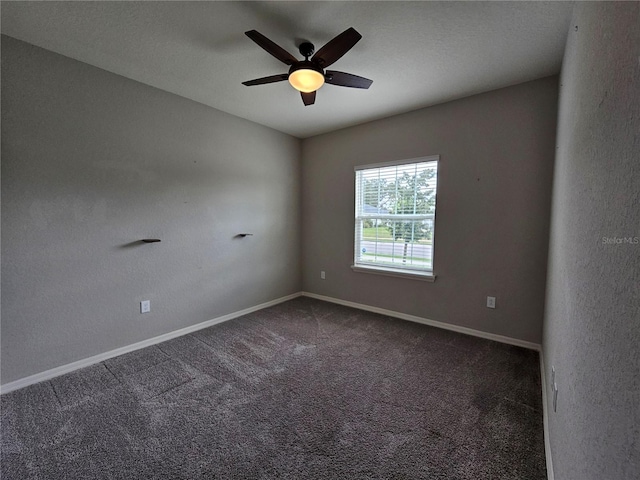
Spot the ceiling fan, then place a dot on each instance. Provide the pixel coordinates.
(308, 75)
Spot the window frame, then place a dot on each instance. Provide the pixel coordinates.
(412, 272)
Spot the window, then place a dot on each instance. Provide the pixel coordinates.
(395, 216)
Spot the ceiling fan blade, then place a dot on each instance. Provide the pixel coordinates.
(337, 47)
(263, 80)
(308, 98)
(275, 50)
(346, 79)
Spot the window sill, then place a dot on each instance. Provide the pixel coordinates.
(392, 272)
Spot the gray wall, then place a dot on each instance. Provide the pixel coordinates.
(494, 190)
(592, 318)
(92, 162)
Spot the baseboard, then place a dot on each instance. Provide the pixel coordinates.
(426, 321)
(70, 367)
(545, 419)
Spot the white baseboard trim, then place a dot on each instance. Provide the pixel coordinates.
(545, 420)
(70, 367)
(426, 321)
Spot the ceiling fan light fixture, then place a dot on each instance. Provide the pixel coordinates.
(306, 78)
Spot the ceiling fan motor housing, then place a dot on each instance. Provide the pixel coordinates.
(306, 65)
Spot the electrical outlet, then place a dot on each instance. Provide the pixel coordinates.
(322, 276)
(145, 306)
(491, 302)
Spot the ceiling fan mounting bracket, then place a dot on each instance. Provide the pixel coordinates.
(306, 49)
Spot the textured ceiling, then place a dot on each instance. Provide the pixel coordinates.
(417, 53)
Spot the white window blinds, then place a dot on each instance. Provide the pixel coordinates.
(395, 215)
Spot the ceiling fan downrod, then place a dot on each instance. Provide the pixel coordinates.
(306, 49)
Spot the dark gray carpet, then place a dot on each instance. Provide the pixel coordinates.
(302, 390)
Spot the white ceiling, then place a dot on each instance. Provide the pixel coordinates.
(417, 53)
